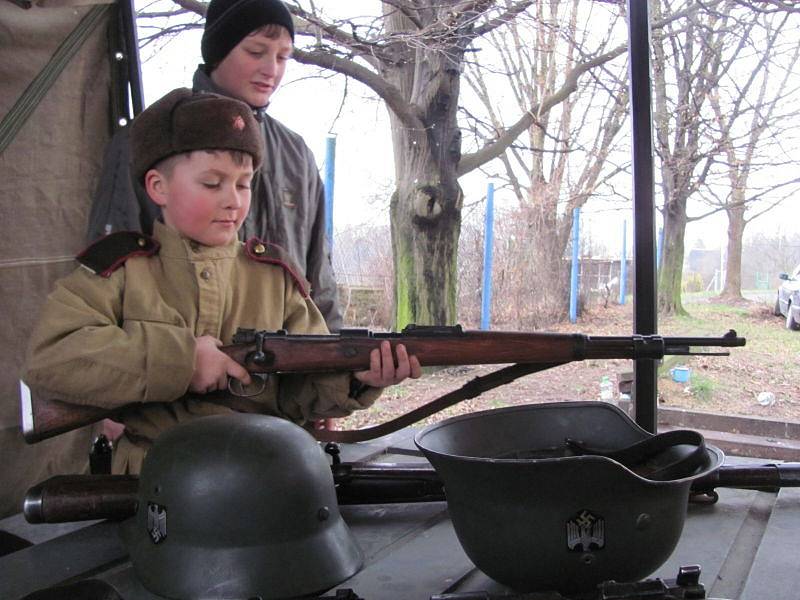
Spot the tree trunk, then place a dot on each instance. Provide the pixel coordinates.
(671, 274)
(426, 205)
(426, 222)
(733, 266)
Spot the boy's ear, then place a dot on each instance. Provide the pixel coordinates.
(155, 184)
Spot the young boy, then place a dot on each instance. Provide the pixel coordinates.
(142, 322)
(246, 47)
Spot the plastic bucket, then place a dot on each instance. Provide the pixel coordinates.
(680, 374)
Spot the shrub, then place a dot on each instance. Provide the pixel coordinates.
(692, 282)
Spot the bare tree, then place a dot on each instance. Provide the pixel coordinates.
(750, 122)
(416, 61)
(563, 157)
(690, 57)
(695, 60)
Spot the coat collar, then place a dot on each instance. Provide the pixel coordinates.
(202, 82)
(175, 245)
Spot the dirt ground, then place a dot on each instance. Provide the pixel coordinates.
(770, 362)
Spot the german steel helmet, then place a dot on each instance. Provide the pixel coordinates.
(239, 506)
(536, 510)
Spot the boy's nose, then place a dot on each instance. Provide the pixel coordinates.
(233, 199)
(269, 66)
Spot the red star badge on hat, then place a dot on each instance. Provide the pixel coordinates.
(238, 122)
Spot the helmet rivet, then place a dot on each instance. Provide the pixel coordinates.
(587, 558)
(643, 521)
(323, 513)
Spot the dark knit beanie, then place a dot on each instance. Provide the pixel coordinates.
(183, 121)
(229, 21)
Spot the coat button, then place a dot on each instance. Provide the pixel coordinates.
(205, 274)
(259, 249)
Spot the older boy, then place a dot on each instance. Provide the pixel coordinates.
(246, 46)
(143, 321)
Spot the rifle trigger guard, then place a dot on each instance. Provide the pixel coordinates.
(236, 388)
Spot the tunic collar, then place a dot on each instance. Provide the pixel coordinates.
(175, 245)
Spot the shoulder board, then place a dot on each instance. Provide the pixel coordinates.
(109, 253)
(265, 252)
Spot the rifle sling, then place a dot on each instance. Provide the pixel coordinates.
(473, 388)
(637, 456)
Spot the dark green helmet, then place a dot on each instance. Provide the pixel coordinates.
(239, 506)
(535, 511)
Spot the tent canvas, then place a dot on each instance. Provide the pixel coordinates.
(49, 166)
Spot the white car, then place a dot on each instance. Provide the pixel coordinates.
(787, 303)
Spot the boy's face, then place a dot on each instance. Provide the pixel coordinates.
(206, 196)
(252, 71)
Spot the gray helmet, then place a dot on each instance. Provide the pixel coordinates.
(536, 517)
(239, 506)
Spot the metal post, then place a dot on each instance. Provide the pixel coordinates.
(128, 17)
(488, 258)
(645, 298)
(623, 264)
(330, 167)
(573, 282)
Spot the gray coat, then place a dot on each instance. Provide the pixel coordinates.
(288, 205)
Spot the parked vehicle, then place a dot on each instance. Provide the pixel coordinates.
(787, 304)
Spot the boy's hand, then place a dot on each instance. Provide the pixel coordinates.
(382, 370)
(212, 367)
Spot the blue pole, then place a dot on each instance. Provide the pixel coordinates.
(330, 166)
(573, 284)
(659, 246)
(488, 256)
(623, 264)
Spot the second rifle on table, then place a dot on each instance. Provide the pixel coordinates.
(67, 498)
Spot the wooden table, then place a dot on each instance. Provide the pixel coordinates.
(748, 545)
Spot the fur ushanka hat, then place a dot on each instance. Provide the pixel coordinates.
(184, 121)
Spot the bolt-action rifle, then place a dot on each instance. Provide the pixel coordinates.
(68, 498)
(263, 352)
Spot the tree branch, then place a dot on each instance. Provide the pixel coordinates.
(509, 15)
(472, 161)
(193, 6)
(328, 31)
(406, 9)
(407, 113)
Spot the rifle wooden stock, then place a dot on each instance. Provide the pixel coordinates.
(44, 418)
(68, 498)
(349, 350)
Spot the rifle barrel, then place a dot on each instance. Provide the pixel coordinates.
(67, 498)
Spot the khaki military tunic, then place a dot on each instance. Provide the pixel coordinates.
(130, 338)
(288, 202)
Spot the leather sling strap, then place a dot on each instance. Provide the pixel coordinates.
(636, 456)
(471, 389)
